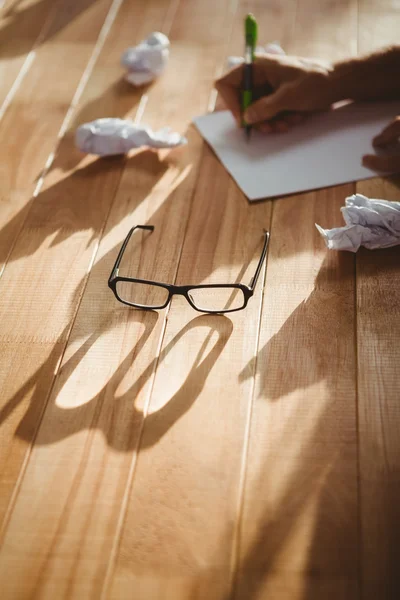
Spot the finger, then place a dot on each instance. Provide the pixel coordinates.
(389, 163)
(264, 127)
(232, 78)
(272, 127)
(280, 126)
(295, 118)
(266, 108)
(261, 68)
(230, 96)
(389, 135)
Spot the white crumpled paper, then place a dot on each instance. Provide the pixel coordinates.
(273, 48)
(370, 223)
(107, 137)
(146, 61)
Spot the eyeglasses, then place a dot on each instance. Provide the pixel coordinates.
(153, 295)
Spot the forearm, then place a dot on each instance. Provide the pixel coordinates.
(373, 77)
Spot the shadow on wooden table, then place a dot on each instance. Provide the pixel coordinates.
(261, 558)
(300, 360)
(324, 469)
(121, 431)
(312, 504)
(18, 22)
(330, 565)
(65, 208)
(120, 100)
(300, 533)
(302, 365)
(72, 205)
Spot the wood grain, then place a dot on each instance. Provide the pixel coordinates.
(23, 25)
(71, 431)
(186, 483)
(31, 125)
(326, 30)
(378, 332)
(44, 279)
(186, 487)
(171, 455)
(299, 528)
(30, 351)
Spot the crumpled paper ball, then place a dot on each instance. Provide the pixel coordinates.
(107, 137)
(370, 223)
(146, 61)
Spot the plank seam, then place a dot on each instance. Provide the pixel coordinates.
(357, 399)
(24, 466)
(101, 39)
(357, 406)
(132, 470)
(28, 61)
(104, 31)
(170, 16)
(246, 441)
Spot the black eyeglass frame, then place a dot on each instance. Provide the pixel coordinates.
(183, 290)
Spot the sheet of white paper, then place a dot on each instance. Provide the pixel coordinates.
(326, 150)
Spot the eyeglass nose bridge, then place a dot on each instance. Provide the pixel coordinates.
(179, 290)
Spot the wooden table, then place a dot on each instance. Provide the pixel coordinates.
(174, 455)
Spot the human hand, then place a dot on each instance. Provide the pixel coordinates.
(286, 89)
(389, 137)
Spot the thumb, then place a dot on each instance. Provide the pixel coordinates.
(389, 163)
(389, 135)
(267, 107)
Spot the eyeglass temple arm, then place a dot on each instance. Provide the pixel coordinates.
(123, 248)
(254, 279)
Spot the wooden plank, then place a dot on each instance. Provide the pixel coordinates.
(299, 530)
(45, 276)
(22, 27)
(25, 26)
(179, 534)
(180, 522)
(75, 436)
(378, 24)
(326, 30)
(378, 332)
(39, 107)
(299, 526)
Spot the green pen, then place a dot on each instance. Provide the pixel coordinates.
(250, 28)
